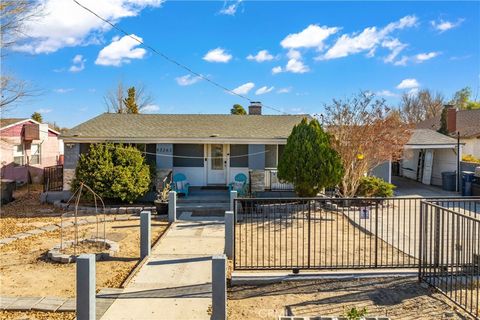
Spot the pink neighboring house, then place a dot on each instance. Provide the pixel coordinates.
(28, 146)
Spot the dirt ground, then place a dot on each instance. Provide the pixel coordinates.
(26, 271)
(282, 240)
(36, 315)
(26, 212)
(397, 298)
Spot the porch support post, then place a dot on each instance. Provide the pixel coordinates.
(172, 206)
(233, 196)
(219, 287)
(229, 216)
(145, 234)
(85, 309)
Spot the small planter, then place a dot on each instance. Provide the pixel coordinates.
(162, 207)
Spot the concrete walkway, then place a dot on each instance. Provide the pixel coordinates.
(175, 282)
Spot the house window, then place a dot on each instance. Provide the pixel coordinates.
(35, 154)
(18, 155)
(239, 155)
(188, 155)
(271, 155)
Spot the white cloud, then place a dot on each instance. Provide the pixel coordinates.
(261, 56)
(43, 110)
(187, 80)
(63, 90)
(413, 92)
(426, 56)
(310, 37)
(120, 51)
(386, 93)
(369, 39)
(296, 66)
(443, 25)
(78, 63)
(401, 62)
(230, 10)
(150, 108)
(408, 84)
(217, 55)
(284, 90)
(264, 90)
(244, 88)
(277, 69)
(65, 24)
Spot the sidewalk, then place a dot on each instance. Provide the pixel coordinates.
(175, 282)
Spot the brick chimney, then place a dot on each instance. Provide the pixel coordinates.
(451, 118)
(255, 108)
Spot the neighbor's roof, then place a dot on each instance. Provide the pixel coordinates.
(135, 127)
(424, 137)
(5, 122)
(468, 123)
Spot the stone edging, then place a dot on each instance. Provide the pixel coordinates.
(108, 209)
(55, 254)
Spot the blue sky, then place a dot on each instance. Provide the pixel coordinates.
(315, 51)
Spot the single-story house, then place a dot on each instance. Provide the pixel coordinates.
(210, 149)
(426, 155)
(464, 122)
(27, 147)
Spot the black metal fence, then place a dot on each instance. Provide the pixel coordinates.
(53, 178)
(332, 233)
(450, 254)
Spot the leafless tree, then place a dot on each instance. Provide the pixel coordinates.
(114, 98)
(417, 107)
(366, 134)
(14, 14)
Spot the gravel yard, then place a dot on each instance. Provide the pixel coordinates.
(397, 298)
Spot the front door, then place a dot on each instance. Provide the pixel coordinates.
(217, 167)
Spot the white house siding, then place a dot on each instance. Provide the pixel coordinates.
(443, 160)
(383, 171)
(409, 164)
(472, 147)
(195, 175)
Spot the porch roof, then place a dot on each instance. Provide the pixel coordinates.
(183, 127)
(426, 138)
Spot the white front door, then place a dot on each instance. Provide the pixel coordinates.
(217, 164)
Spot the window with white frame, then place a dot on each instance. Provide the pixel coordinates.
(18, 155)
(35, 154)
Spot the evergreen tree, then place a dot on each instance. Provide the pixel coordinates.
(238, 110)
(309, 161)
(130, 101)
(37, 117)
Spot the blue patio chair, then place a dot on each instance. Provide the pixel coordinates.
(180, 184)
(240, 184)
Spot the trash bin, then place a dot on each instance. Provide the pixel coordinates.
(449, 180)
(467, 179)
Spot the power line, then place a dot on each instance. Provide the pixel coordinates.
(171, 60)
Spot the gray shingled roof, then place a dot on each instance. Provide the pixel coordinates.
(151, 126)
(429, 137)
(468, 123)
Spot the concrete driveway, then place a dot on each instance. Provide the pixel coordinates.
(410, 188)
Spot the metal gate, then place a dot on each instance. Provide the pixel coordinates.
(331, 233)
(53, 178)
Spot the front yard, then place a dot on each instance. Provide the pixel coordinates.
(27, 272)
(397, 298)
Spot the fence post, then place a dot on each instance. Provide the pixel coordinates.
(219, 287)
(437, 238)
(145, 233)
(233, 196)
(229, 240)
(376, 234)
(423, 212)
(309, 230)
(85, 308)
(172, 206)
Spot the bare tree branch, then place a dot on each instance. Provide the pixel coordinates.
(423, 105)
(114, 98)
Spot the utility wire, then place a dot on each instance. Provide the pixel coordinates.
(171, 60)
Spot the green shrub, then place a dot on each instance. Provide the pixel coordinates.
(374, 187)
(309, 162)
(114, 172)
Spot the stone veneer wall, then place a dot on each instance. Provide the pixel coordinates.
(257, 180)
(72, 153)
